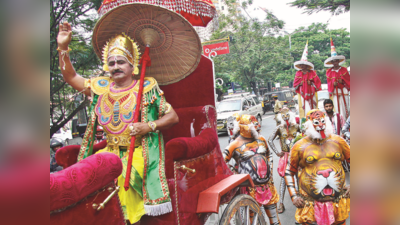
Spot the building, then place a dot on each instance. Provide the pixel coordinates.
(206, 32)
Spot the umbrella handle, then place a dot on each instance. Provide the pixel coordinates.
(337, 98)
(145, 61)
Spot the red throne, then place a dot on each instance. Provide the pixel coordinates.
(193, 142)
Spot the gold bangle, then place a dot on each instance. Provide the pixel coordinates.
(152, 125)
(62, 50)
(168, 108)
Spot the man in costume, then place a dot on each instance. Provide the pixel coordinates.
(336, 119)
(286, 131)
(306, 83)
(277, 109)
(99, 135)
(114, 99)
(252, 156)
(322, 198)
(338, 82)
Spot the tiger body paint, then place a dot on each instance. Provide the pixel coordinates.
(286, 132)
(252, 156)
(319, 158)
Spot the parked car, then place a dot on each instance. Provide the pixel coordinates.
(285, 96)
(242, 105)
(64, 135)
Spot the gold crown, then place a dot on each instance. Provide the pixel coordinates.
(121, 45)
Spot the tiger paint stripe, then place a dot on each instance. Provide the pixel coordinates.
(272, 214)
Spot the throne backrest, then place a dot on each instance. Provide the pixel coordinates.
(193, 98)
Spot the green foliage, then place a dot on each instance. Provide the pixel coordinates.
(258, 58)
(256, 55)
(81, 14)
(314, 6)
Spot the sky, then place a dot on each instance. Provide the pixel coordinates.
(294, 17)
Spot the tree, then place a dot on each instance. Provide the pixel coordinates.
(314, 6)
(76, 12)
(256, 55)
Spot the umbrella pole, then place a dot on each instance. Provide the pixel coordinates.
(337, 98)
(345, 105)
(145, 61)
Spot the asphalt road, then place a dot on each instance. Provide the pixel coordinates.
(268, 124)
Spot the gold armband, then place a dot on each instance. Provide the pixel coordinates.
(152, 125)
(169, 108)
(87, 83)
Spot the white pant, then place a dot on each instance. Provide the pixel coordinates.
(307, 106)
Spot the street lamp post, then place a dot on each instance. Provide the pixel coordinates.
(290, 45)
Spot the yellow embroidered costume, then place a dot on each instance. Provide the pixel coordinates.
(114, 109)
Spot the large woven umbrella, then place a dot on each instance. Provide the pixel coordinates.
(175, 47)
(197, 12)
(167, 38)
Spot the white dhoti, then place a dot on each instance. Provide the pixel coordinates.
(342, 104)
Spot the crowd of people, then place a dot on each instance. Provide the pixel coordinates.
(314, 155)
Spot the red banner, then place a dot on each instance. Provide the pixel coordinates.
(216, 49)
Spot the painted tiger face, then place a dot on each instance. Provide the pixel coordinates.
(317, 118)
(257, 167)
(248, 126)
(230, 124)
(323, 176)
(285, 114)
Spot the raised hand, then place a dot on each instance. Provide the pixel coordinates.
(64, 35)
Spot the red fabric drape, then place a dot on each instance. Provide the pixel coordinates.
(332, 76)
(307, 90)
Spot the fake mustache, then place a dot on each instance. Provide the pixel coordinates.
(116, 71)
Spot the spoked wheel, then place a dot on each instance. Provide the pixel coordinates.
(243, 210)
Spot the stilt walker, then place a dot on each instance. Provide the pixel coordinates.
(338, 82)
(306, 83)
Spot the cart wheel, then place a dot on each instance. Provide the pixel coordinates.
(239, 209)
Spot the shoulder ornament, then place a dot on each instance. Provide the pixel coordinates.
(100, 85)
(149, 84)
